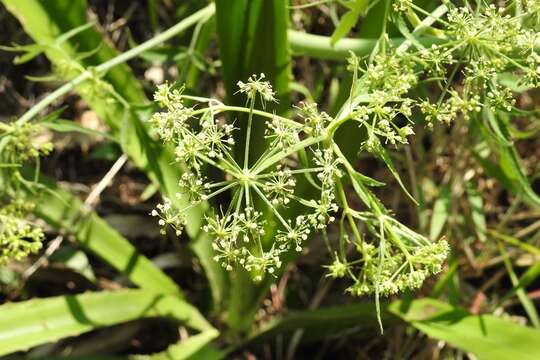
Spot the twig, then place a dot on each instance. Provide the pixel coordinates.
(96, 192)
(191, 20)
(89, 202)
(53, 246)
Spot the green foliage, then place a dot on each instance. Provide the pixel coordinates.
(44, 320)
(64, 210)
(255, 183)
(330, 322)
(486, 336)
(18, 237)
(349, 19)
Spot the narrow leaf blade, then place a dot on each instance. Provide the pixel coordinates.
(486, 336)
(34, 322)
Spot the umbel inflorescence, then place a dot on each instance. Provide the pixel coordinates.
(463, 65)
(266, 186)
(203, 140)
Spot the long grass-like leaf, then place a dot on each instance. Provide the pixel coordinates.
(252, 37)
(64, 210)
(195, 348)
(486, 336)
(34, 322)
(324, 323)
(45, 21)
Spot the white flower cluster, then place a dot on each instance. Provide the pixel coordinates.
(267, 186)
(481, 44)
(379, 117)
(451, 108)
(402, 261)
(257, 86)
(18, 236)
(397, 269)
(19, 146)
(401, 5)
(169, 217)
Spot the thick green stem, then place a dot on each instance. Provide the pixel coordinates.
(318, 46)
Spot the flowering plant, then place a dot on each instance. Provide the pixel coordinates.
(19, 236)
(297, 150)
(390, 257)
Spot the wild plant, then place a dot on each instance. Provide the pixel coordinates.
(19, 235)
(458, 67)
(479, 45)
(301, 148)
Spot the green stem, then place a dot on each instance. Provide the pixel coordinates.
(274, 210)
(227, 108)
(350, 219)
(191, 20)
(217, 192)
(319, 47)
(296, 171)
(248, 132)
(229, 169)
(283, 154)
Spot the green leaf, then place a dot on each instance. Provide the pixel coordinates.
(324, 323)
(404, 30)
(524, 134)
(345, 25)
(46, 78)
(34, 322)
(381, 151)
(510, 164)
(196, 347)
(61, 125)
(65, 211)
(523, 297)
(515, 242)
(74, 259)
(495, 171)
(363, 192)
(525, 280)
(252, 36)
(30, 52)
(510, 170)
(486, 336)
(373, 24)
(347, 21)
(498, 127)
(513, 81)
(71, 33)
(254, 45)
(366, 180)
(441, 211)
